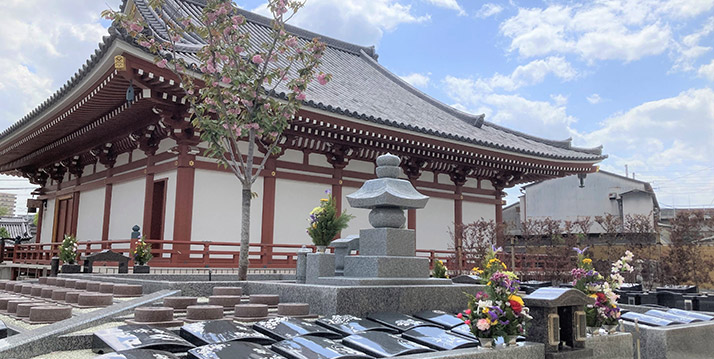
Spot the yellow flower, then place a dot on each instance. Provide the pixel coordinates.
(314, 225)
(485, 311)
(316, 210)
(324, 199)
(441, 262)
(489, 283)
(593, 296)
(587, 260)
(516, 298)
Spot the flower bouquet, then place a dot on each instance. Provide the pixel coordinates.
(440, 269)
(499, 311)
(604, 312)
(68, 249)
(142, 252)
(326, 222)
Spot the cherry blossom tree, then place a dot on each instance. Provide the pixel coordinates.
(243, 91)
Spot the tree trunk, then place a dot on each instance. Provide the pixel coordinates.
(244, 232)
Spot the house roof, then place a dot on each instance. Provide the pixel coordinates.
(360, 88)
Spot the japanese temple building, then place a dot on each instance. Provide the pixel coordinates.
(105, 164)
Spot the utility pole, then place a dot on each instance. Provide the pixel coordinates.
(626, 174)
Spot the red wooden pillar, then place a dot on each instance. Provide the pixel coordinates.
(267, 230)
(148, 197)
(183, 213)
(499, 217)
(458, 177)
(107, 208)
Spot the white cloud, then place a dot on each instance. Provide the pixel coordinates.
(531, 74)
(600, 30)
(356, 21)
(448, 4)
(688, 50)
(541, 118)
(594, 98)
(559, 99)
(417, 79)
(40, 50)
(489, 9)
(707, 71)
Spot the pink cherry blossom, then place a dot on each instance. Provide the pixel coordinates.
(291, 41)
(257, 59)
(135, 27)
(162, 63)
(301, 96)
(145, 44)
(226, 80)
(322, 79)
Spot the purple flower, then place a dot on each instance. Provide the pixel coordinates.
(580, 251)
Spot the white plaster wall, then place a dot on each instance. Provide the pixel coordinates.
(360, 166)
(293, 202)
(170, 202)
(486, 184)
(217, 208)
(443, 178)
(127, 208)
(48, 219)
(562, 199)
(474, 211)
(122, 159)
(317, 159)
(433, 223)
(91, 215)
(292, 156)
(137, 155)
(637, 203)
(426, 176)
(165, 145)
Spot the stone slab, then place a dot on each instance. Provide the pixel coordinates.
(612, 346)
(527, 350)
(690, 341)
(360, 300)
(387, 242)
(319, 265)
(386, 267)
(349, 281)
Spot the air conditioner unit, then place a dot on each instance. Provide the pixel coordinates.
(612, 195)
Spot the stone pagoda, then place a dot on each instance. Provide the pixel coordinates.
(387, 252)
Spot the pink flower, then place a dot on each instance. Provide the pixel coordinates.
(322, 79)
(467, 311)
(226, 80)
(291, 41)
(257, 59)
(300, 96)
(238, 49)
(483, 324)
(162, 63)
(135, 27)
(459, 315)
(145, 44)
(186, 22)
(468, 322)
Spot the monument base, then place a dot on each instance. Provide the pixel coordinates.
(353, 281)
(386, 267)
(362, 300)
(570, 354)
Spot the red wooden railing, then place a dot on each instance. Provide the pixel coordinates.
(177, 254)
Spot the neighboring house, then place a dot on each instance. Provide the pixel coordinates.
(570, 199)
(8, 200)
(105, 164)
(17, 226)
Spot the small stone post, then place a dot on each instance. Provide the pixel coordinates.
(301, 264)
(135, 232)
(54, 266)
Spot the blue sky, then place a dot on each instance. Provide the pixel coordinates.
(634, 76)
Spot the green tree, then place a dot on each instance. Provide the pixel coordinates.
(4, 211)
(4, 233)
(232, 100)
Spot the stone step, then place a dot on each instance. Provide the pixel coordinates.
(95, 300)
(81, 284)
(43, 280)
(196, 313)
(47, 292)
(51, 281)
(106, 288)
(37, 290)
(227, 301)
(12, 305)
(49, 314)
(72, 297)
(153, 314)
(127, 290)
(228, 291)
(23, 309)
(180, 302)
(250, 312)
(294, 309)
(93, 286)
(70, 283)
(60, 282)
(59, 294)
(269, 299)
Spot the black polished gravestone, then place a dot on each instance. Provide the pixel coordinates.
(647, 319)
(533, 285)
(398, 321)
(670, 299)
(346, 324)
(221, 331)
(439, 339)
(233, 350)
(679, 319)
(127, 337)
(282, 328)
(463, 330)
(440, 318)
(3, 330)
(311, 347)
(139, 354)
(631, 287)
(467, 279)
(681, 289)
(106, 256)
(706, 303)
(686, 313)
(383, 345)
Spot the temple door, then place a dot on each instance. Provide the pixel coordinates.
(65, 217)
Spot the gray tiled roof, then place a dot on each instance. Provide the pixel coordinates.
(363, 89)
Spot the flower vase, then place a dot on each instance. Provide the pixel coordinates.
(609, 328)
(593, 330)
(71, 268)
(321, 249)
(141, 269)
(486, 343)
(510, 340)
